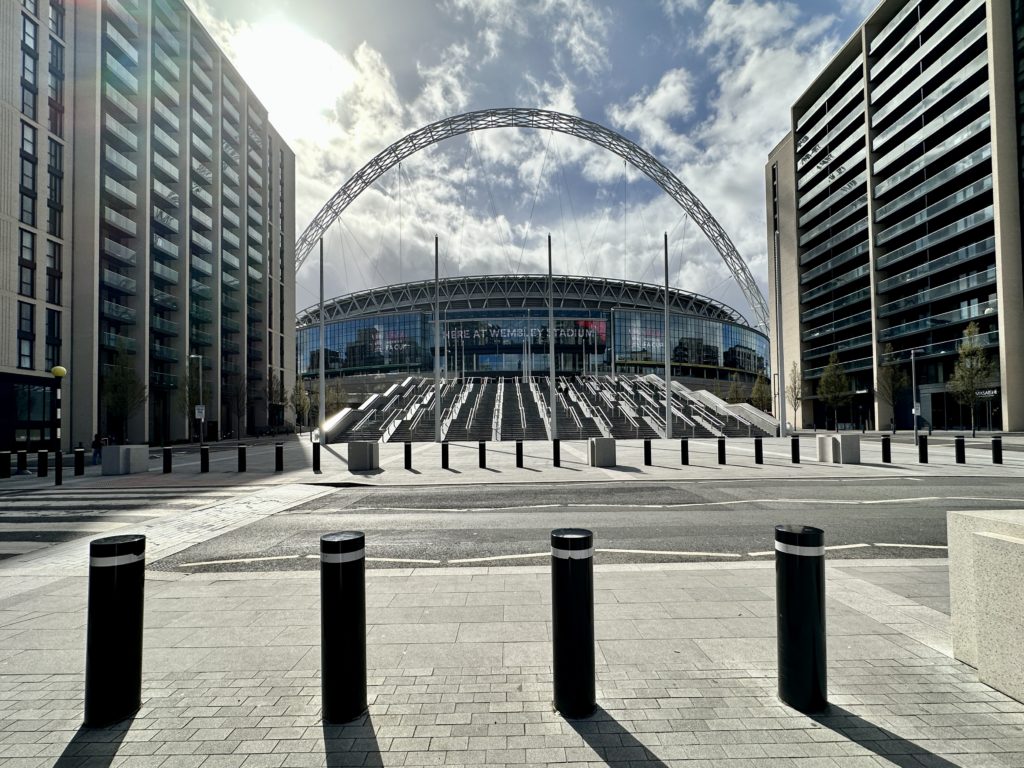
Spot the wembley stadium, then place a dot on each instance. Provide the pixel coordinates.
(494, 357)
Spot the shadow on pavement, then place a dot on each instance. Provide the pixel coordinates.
(874, 738)
(95, 747)
(353, 743)
(614, 744)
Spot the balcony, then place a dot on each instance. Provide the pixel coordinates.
(200, 314)
(163, 299)
(201, 290)
(232, 91)
(165, 61)
(254, 354)
(120, 221)
(254, 293)
(201, 338)
(254, 177)
(165, 220)
(165, 166)
(229, 260)
(229, 347)
(255, 276)
(166, 88)
(202, 148)
(117, 282)
(230, 282)
(162, 380)
(230, 217)
(255, 256)
(199, 98)
(165, 247)
(202, 266)
(163, 325)
(169, 144)
(201, 76)
(202, 242)
(230, 325)
(163, 352)
(121, 43)
(120, 191)
(167, 194)
(126, 78)
(120, 132)
(255, 236)
(168, 275)
(257, 199)
(201, 194)
(231, 368)
(163, 112)
(167, 37)
(200, 122)
(231, 196)
(203, 172)
(118, 252)
(122, 163)
(120, 101)
(230, 303)
(230, 174)
(231, 240)
(254, 374)
(114, 341)
(941, 320)
(255, 314)
(114, 311)
(201, 219)
(254, 216)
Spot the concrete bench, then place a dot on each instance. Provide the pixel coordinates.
(839, 449)
(363, 456)
(602, 451)
(125, 459)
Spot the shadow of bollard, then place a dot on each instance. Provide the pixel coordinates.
(874, 738)
(96, 747)
(352, 743)
(612, 742)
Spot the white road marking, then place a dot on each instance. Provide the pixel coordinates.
(500, 557)
(915, 546)
(847, 546)
(663, 552)
(761, 554)
(240, 560)
(400, 560)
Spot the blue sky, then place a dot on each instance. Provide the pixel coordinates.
(703, 85)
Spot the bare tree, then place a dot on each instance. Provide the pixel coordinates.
(795, 391)
(971, 372)
(237, 392)
(892, 380)
(123, 392)
(299, 400)
(761, 394)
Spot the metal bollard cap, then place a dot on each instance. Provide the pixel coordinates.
(572, 539)
(118, 546)
(800, 535)
(342, 542)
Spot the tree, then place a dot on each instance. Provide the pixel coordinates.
(892, 380)
(123, 392)
(761, 394)
(971, 372)
(735, 394)
(834, 386)
(795, 391)
(236, 389)
(189, 396)
(336, 397)
(299, 400)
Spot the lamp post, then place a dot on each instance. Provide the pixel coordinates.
(913, 389)
(202, 420)
(59, 372)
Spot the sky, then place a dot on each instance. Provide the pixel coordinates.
(703, 85)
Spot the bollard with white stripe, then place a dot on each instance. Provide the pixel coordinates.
(343, 625)
(279, 457)
(407, 450)
(800, 612)
(482, 449)
(647, 453)
(794, 449)
(572, 625)
(959, 449)
(721, 450)
(758, 451)
(204, 458)
(113, 650)
(684, 452)
(519, 454)
(886, 450)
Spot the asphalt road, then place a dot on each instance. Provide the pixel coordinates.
(696, 521)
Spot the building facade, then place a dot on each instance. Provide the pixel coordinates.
(894, 216)
(178, 206)
(499, 326)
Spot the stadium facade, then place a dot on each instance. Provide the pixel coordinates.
(894, 214)
(498, 326)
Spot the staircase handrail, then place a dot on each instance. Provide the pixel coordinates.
(498, 406)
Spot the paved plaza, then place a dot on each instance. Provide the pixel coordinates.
(459, 659)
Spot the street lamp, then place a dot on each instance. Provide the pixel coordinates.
(913, 388)
(200, 406)
(59, 372)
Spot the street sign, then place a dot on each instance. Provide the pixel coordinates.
(917, 409)
(201, 412)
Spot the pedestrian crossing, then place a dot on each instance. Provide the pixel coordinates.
(34, 520)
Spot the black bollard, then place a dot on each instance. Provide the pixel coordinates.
(79, 462)
(5, 464)
(519, 454)
(960, 450)
(167, 460)
(113, 650)
(572, 621)
(794, 449)
(800, 609)
(922, 449)
(204, 458)
(482, 449)
(886, 450)
(997, 449)
(42, 463)
(58, 468)
(242, 466)
(758, 451)
(721, 450)
(444, 455)
(556, 453)
(316, 457)
(408, 455)
(279, 457)
(647, 453)
(22, 462)
(343, 626)
(684, 452)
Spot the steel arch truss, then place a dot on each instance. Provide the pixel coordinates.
(539, 119)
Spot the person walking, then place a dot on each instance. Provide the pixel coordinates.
(97, 446)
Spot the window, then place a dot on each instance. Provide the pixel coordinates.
(55, 114)
(57, 18)
(28, 33)
(28, 102)
(56, 156)
(26, 280)
(28, 247)
(28, 140)
(56, 57)
(53, 340)
(28, 175)
(28, 209)
(54, 220)
(30, 6)
(26, 334)
(53, 272)
(28, 67)
(27, 264)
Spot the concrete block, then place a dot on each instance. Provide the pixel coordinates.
(602, 451)
(125, 459)
(965, 568)
(363, 457)
(846, 449)
(825, 448)
(1000, 628)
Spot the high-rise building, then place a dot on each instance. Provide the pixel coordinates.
(894, 217)
(180, 235)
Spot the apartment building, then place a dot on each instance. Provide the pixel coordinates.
(894, 216)
(179, 214)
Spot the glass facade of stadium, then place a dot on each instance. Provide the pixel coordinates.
(499, 326)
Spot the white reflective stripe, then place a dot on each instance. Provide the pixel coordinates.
(572, 554)
(342, 557)
(793, 549)
(106, 562)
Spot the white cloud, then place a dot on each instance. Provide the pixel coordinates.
(653, 115)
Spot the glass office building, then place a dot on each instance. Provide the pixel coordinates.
(499, 326)
(894, 214)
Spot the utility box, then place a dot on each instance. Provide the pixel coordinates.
(602, 451)
(363, 456)
(125, 459)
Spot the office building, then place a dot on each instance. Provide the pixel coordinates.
(894, 216)
(178, 212)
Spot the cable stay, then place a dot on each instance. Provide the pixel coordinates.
(533, 205)
(490, 197)
(572, 210)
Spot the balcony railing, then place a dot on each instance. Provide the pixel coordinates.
(119, 312)
(165, 273)
(121, 253)
(117, 282)
(163, 352)
(164, 326)
(114, 341)
(164, 299)
(163, 380)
